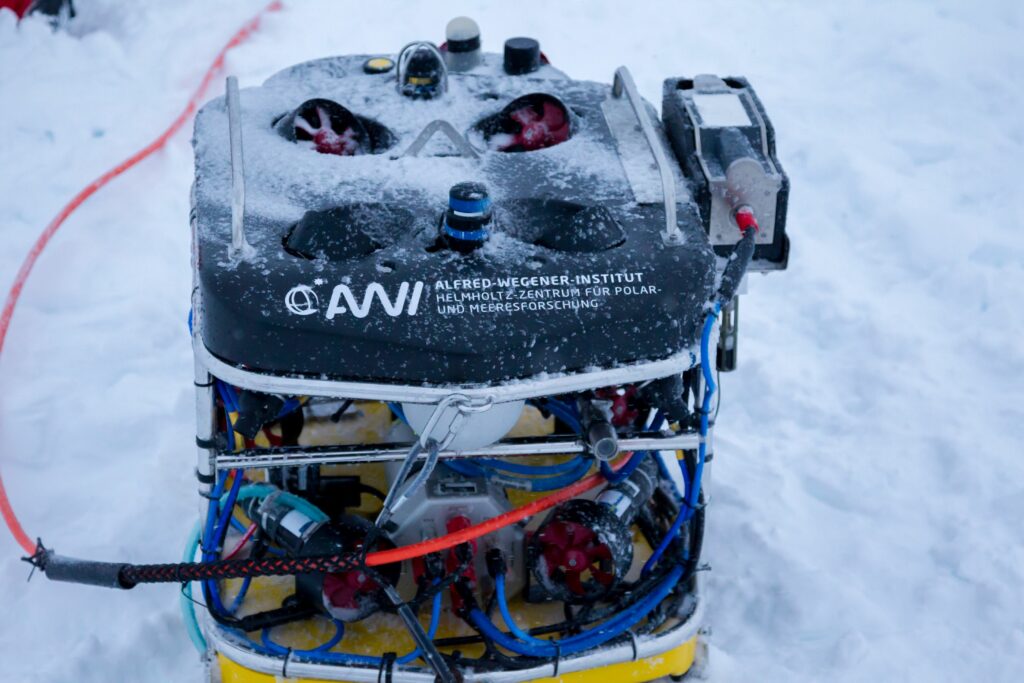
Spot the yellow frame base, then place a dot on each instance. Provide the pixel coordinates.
(675, 662)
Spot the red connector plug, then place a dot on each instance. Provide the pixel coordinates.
(744, 217)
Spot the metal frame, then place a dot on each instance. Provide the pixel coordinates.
(345, 455)
(624, 83)
(606, 655)
(513, 391)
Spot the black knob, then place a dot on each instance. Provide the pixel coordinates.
(522, 56)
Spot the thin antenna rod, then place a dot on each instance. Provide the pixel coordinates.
(239, 246)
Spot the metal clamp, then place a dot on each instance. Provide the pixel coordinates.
(465, 406)
(624, 83)
(400, 492)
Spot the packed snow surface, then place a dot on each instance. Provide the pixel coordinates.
(868, 484)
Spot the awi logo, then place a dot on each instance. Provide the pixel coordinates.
(303, 300)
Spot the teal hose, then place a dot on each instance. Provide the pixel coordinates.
(188, 608)
(291, 500)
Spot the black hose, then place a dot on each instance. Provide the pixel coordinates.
(126, 576)
(736, 268)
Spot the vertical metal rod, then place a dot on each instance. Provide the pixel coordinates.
(623, 83)
(205, 467)
(239, 246)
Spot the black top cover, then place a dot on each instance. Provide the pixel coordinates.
(350, 279)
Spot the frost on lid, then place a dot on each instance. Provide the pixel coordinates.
(285, 178)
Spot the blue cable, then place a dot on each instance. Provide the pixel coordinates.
(229, 395)
(339, 633)
(396, 408)
(435, 622)
(322, 654)
(622, 621)
(237, 602)
(225, 517)
(614, 477)
(536, 470)
(506, 614)
(560, 481)
(629, 468)
(564, 412)
(210, 551)
(471, 468)
(571, 470)
(689, 504)
(588, 639)
(231, 406)
(318, 653)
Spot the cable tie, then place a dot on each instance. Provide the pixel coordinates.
(558, 658)
(284, 665)
(632, 642)
(37, 559)
(207, 385)
(205, 478)
(386, 662)
(206, 444)
(390, 658)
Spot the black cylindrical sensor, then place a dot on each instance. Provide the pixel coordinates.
(522, 56)
(468, 220)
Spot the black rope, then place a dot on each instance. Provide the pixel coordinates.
(133, 574)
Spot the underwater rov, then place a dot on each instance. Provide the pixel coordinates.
(453, 320)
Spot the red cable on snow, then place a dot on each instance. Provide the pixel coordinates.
(43, 240)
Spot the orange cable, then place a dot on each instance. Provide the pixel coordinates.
(43, 240)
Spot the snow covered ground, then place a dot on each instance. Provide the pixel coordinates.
(869, 481)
